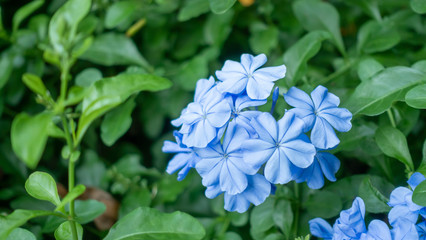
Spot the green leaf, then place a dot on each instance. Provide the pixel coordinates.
(367, 68)
(104, 51)
(324, 204)
(263, 38)
(87, 77)
(191, 71)
(368, 6)
(64, 23)
(375, 96)
(118, 12)
(24, 12)
(86, 211)
(146, 223)
(133, 200)
(419, 194)
(261, 218)
(34, 83)
(76, 94)
(377, 37)
(18, 218)
(192, 9)
(108, 93)
(64, 232)
(375, 201)
(418, 6)
(6, 67)
(29, 136)
(318, 15)
(117, 122)
(230, 236)
(72, 195)
(20, 234)
(217, 28)
(393, 143)
(297, 56)
(283, 216)
(416, 97)
(130, 165)
(42, 186)
(221, 6)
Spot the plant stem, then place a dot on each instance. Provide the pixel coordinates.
(297, 208)
(391, 118)
(65, 68)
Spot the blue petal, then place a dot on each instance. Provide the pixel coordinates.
(213, 191)
(289, 127)
(219, 114)
(234, 82)
(323, 135)
(244, 101)
(257, 152)
(399, 195)
(329, 163)
(351, 222)
(404, 230)
(232, 179)
(318, 95)
(306, 115)
(258, 189)
(178, 162)
(278, 169)
(202, 133)
(299, 152)
(339, 118)
(415, 180)
(202, 87)
(266, 127)
(236, 203)
(321, 228)
(258, 88)
(171, 147)
(179, 121)
(402, 212)
(251, 63)
(193, 114)
(378, 230)
(234, 137)
(270, 73)
(299, 99)
(312, 175)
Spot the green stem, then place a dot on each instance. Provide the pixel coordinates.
(64, 81)
(297, 208)
(391, 118)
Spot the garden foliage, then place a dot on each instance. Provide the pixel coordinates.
(284, 119)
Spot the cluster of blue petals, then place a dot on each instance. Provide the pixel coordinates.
(406, 218)
(240, 151)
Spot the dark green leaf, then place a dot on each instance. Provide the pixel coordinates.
(193, 8)
(191, 71)
(418, 6)
(146, 223)
(393, 143)
(238, 219)
(29, 135)
(117, 122)
(24, 12)
(231, 236)
(72, 195)
(108, 93)
(367, 68)
(298, 55)
(18, 218)
(118, 12)
(90, 171)
(130, 165)
(416, 97)
(368, 6)
(88, 210)
(64, 232)
(375, 201)
(263, 38)
(42, 186)
(217, 28)
(6, 67)
(221, 6)
(133, 200)
(376, 95)
(261, 218)
(104, 51)
(318, 15)
(21, 234)
(419, 194)
(324, 204)
(283, 216)
(377, 37)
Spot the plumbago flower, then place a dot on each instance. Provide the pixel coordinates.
(228, 141)
(321, 114)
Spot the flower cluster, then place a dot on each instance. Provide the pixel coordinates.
(402, 217)
(240, 151)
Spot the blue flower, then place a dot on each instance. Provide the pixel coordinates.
(321, 114)
(402, 203)
(404, 230)
(185, 158)
(236, 77)
(377, 230)
(281, 144)
(421, 230)
(321, 228)
(324, 164)
(222, 164)
(204, 117)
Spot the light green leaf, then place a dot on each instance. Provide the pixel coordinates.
(108, 93)
(420, 65)
(230, 236)
(24, 12)
(104, 51)
(377, 37)
(64, 232)
(87, 77)
(367, 68)
(318, 15)
(118, 12)
(297, 56)
(393, 143)
(324, 204)
(150, 224)
(263, 38)
(116, 123)
(72, 195)
(76, 94)
(375, 201)
(419, 194)
(18, 218)
(418, 6)
(283, 216)
(21, 234)
(376, 95)
(221, 6)
(192, 9)
(42, 186)
(29, 136)
(86, 211)
(261, 218)
(416, 97)
(34, 83)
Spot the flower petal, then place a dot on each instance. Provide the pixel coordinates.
(321, 228)
(259, 89)
(232, 179)
(232, 82)
(251, 63)
(323, 135)
(339, 118)
(402, 212)
(202, 87)
(234, 137)
(258, 189)
(299, 99)
(299, 152)
(257, 152)
(219, 114)
(415, 180)
(289, 127)
(398, 196)
(307, 116)
(209, 169)
(270, 73)
(379, 230)
(266, 126)
(318, 95)
(329, 163)
(278, 168)
(236, 203)
(213, 191)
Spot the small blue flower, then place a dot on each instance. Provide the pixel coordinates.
(377, 230)
(350, 224)
(324, 164)
(185, 159)
(321, 228)
(321, 114)
(222, 164)
(282, 145)
(402, 203)
(236, 77)
(204, 117)
(404, 230)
